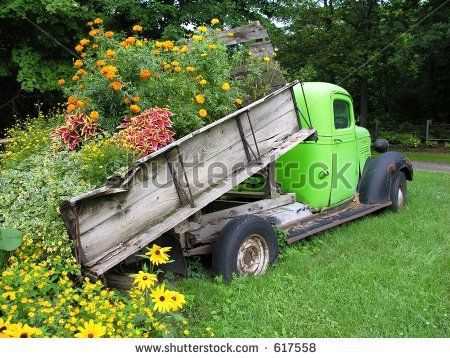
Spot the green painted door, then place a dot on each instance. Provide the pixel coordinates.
(344, 177)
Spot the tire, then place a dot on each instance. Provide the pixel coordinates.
(398, 191)
(246, 245)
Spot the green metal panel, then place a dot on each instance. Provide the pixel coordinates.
(307, 169)
(363, 142)
(345, 156)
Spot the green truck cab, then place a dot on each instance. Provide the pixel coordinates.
(324, 172)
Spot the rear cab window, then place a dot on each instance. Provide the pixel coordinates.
(341, 112)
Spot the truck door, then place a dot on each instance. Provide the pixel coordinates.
(344, 153)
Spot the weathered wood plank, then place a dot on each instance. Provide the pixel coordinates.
(152, 208)
(251, 31)
(125, 249)
(204, 151)
(211, 224)
(261, 49)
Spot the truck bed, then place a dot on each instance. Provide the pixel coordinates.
(170, 185)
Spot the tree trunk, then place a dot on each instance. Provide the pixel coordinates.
(363, 91)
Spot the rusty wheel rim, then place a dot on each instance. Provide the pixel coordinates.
(253, 256)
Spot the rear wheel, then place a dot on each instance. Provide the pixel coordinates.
(398, 191)
(246, 246)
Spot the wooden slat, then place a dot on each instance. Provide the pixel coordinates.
(261, 49)
(105, 222)
(249, 32)
(125, 249)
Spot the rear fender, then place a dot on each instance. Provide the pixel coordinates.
(375, 180)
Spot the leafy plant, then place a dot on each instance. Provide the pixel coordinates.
(148, 131)
(10, 239)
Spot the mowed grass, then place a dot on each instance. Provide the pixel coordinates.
(386, 275)
(429, 157)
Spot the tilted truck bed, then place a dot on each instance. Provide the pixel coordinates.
(168, 186)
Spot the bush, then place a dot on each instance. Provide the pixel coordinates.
(39, 296)
(120, 75)
(403, 139)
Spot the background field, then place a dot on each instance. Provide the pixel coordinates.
(385, 275)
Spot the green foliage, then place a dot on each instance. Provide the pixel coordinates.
(258, 74)
(406, 140)
(10, 239)
(164, 74)
(431, 143)
(97, 160)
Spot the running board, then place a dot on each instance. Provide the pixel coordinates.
(326, 220)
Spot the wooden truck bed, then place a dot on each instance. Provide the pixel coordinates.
(168, 186)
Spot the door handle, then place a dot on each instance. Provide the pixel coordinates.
(323, 174)
(338, 140)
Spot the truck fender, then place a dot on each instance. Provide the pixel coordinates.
(375, 180)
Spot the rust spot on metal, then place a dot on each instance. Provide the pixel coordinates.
(392, 168)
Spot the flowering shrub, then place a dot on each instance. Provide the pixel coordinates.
(122, 75)
(148, 131)
(38, 296)
(78, 127)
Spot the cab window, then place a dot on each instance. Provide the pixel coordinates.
(341, 114)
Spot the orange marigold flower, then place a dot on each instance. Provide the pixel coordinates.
(137, 28)
(184, 48)
(70, 108)
(225, 86)
(81, 72)
(98, 21)
(127, 100)
(84, 42)
(79, 48)
(135, 108)
(94, 115)
(131, 40)
(190, 69)
(61, 82)
(177, 69)
(175, 63)
(156, 52)
(100, 63)
(109, 72)
(94, 32)
(145, 74)
(75, 78)
(214, 21)
(202, 113)
(202, 82)
(124, 44)
(109, 34)
(166, 66)
(197, 37)
(90, 23)
(80, 104)
(72, 100)
(110, 54)
(83, 54)
(115, 85)
(80, 86)
(94, 46)
(136, 99)
(239, 101)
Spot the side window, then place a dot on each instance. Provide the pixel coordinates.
(341, 114)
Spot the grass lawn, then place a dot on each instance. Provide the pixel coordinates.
(385, 275)
(429, 157)
(425, 156)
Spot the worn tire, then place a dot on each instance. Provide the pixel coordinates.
(398, 191)
(246, 245)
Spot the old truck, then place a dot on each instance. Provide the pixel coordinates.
(294, 159)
